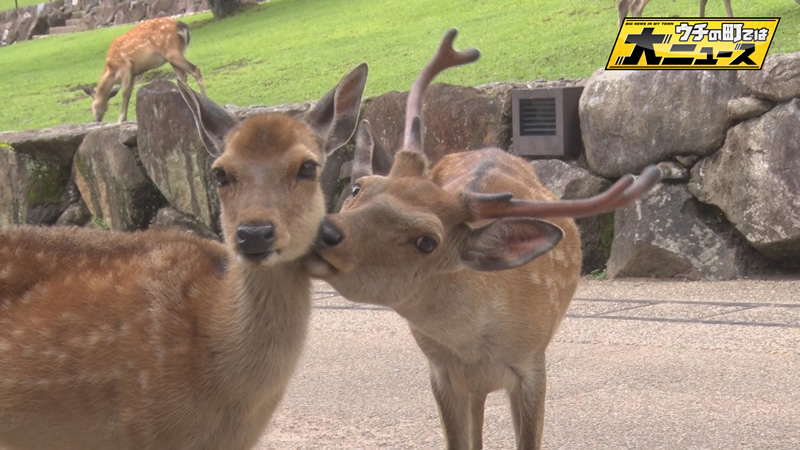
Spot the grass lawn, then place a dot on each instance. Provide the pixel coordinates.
(5, 5)
(295, 50)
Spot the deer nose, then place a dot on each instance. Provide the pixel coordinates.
(330, 235)
(255, 241)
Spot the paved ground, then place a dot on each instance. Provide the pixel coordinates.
(636, 364)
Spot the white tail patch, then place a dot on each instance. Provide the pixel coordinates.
(185, 37)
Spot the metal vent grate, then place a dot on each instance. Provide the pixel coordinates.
(537, 117)
(546, 123)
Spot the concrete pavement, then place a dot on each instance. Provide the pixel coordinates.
(636, 364)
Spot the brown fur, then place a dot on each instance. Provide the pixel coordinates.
(481, 331)
(147, 46)
(483, 298)
(161, 340)
(485, 303)
(145, 340)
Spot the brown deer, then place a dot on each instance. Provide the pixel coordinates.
(635, 7)
(162, 340)
(462, 253)
(145, 47)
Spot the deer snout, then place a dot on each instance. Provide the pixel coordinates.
(329, 235)
(255, 241)
(330, 254)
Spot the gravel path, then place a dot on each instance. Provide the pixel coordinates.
(636, 364)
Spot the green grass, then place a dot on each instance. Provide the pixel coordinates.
(295, 50)
(5, 5)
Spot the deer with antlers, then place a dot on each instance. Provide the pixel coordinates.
(463, 253)
(147, 46)
(159, 340)
(635, 7)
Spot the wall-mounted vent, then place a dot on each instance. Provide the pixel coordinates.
(545, 122)
(537, 117)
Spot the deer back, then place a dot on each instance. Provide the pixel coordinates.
(145, 46)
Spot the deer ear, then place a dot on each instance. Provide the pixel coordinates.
(113, 92)
(89, 90)
(381, 158)
(213, 121)
(362, 156)
(508, 243)
(335, 116)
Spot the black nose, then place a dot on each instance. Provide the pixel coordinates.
(255, 241)
(330, 235)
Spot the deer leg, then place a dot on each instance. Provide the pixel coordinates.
(477, 404)
(453, 408)
(703, 8)
(636, 10)
(126, 82)
(622, 10)
(180, 73)
(728, 8)
(527, 406)
(182, 66)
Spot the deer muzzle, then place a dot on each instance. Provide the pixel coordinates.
(255, 241)
(329, 235)
(324, 260)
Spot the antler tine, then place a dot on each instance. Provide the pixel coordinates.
(625, 191)
(194, 104)
(644, 182)
(446, 56)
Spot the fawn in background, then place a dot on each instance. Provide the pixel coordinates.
(146, 46)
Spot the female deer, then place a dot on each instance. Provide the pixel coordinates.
(158, 340)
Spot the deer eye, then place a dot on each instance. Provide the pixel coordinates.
(308, 170)
(426, 244)
(220, 176)
(355, 190)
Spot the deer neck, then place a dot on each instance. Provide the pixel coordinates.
(264, 320)
(105, 84)
(432, 303)
(455, 311)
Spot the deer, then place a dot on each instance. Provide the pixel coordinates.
(147, 46)
(164, 340)
(462, 251)
(635, 7)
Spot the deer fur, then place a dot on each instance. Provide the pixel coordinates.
(635, 7)
(483, 287)
(147, 46)
(162, 340)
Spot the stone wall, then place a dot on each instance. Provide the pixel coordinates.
(727, 142)
(78, 15)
